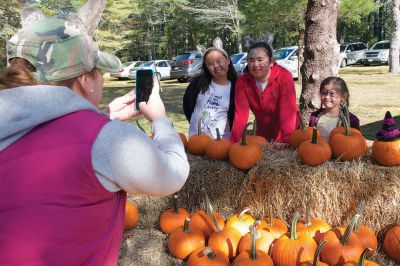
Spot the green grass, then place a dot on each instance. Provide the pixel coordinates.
(373, 91)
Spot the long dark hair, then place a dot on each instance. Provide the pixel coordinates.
(205, 76)
(339, 85)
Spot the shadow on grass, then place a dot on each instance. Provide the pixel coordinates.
(370, 130)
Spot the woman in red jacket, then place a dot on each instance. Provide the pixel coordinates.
(267, 89)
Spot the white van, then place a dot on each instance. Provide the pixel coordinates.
(287, 57)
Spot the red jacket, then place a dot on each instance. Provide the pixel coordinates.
(274, 109)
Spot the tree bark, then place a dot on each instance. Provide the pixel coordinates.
(321, 51)
(394, 61)
(300, 44)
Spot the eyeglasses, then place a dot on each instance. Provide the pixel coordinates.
(332, 94)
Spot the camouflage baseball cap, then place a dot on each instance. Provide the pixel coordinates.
(59, 48)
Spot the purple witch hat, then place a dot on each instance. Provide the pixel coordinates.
(389, 131)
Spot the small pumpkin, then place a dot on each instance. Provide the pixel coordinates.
(241, 222)
(184, 240)
(367, 237)
(301, 134)
(386, 146)
(362, 261)
(173, 218)
(218, 149)
(255, 139)
(348, 146)
(207, 257)
(275, 226)
(313, 227)
(203, 220)
(131, 216)
(253, 256)
(343, 245)
(225, 240)
(293, 249)
(197, 143)
(342, 129)
(391, 243)
(263, 238)
(315, 151)
(316, 261)
(242, 155)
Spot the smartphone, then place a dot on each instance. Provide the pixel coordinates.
(144, 86)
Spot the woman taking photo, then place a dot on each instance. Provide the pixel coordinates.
(266, 89)
(210, 97)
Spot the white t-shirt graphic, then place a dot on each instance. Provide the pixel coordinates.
(212, 107)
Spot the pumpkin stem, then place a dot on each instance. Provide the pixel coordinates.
(363, 255)
(308, 212)
(209, 253)
(271, 223)
(175, 200)
(208, 203)
(140, 127)
(314, 139)
(359, 210)
(254, 235)
(347, 131)
(240, 216)
(293, 235)
(349, 229)
(302, 124)
(244, 133)
(254, 127)
(218, 134)
(318, 251)
(186, 226)
(219, 229)
(199, 126)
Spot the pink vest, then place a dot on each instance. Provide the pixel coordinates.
(53, 209)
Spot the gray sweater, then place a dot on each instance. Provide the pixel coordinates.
(123, 156)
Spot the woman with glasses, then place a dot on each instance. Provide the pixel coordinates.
(266, 89)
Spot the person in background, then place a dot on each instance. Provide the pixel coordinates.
(266, 89)
(210, 97)
(65, 167)
(334, 95)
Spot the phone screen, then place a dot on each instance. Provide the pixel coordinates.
(144, 86)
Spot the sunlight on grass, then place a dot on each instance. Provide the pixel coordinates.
(373, 91)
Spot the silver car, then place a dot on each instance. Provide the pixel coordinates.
(352, 53)
(186, 65)
(239, 62)
(378, 54)
(124, 70)
(287, 57)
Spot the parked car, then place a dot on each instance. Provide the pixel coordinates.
(162, 69)
(186, 65)
(239, 61)
(287, 57)
(352, 53)
(124, 70)
(378, 54)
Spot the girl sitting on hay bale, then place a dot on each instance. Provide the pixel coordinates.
(334, 95)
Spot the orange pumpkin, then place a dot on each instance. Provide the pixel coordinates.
(131, 216)
(392, 243)
(315, 151)
(362, 261)
(275, 226)
(386, 146)
(225, 240)
(203, 221)
(173, 218)
(241, 222)
(293, 249)
(207, 257)
(197, 143)
(367, 237)
(263, 238)
(184, 240)
(348, 146)
(301, 134)
(242, 155)
(344, 115)
(218, 149)
(255, 139)
(183, 139)
(253, 256)
(313, 227)
(343, 245)
(316, 261)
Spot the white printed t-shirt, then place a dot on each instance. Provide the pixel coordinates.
(212, 107)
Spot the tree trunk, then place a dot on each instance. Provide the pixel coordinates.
(300, 44)
(321, 51)
(394, 61)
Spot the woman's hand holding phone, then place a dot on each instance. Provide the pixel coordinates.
(154, 108)
(123, 107)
